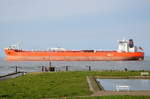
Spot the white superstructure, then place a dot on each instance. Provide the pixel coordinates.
(126, 46)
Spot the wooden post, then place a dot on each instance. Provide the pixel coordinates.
(42, 68)
(89, 68)
(46, 69)
(16, 69)
(126, 69)
(66, 68)
(50, 64)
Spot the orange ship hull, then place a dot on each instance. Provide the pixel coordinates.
(20, 55)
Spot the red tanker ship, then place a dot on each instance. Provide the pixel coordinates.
(126, 51)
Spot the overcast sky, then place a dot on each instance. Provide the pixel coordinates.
(74, 24)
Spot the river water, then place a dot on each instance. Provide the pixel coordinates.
(35, 66)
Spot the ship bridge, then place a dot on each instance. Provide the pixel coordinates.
(127, 46)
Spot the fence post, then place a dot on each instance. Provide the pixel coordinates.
(66, 68)
(125, 69)
(42, 68)
(89, 68)
(16, 69)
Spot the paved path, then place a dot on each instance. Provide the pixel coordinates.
(11, 75)
(106, 93)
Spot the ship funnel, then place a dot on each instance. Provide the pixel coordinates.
(131, 44)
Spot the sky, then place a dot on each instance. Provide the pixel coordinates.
(74, 24)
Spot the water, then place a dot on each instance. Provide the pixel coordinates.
(35, 66)
(133, 84)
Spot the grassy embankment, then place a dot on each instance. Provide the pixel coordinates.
(56, 84)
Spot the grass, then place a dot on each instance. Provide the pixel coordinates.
(56, 84)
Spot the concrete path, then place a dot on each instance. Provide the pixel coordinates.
(11, 75)
(106, 93)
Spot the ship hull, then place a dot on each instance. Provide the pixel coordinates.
(19, 55)
(45, 58)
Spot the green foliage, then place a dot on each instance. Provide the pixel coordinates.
(53, 84)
